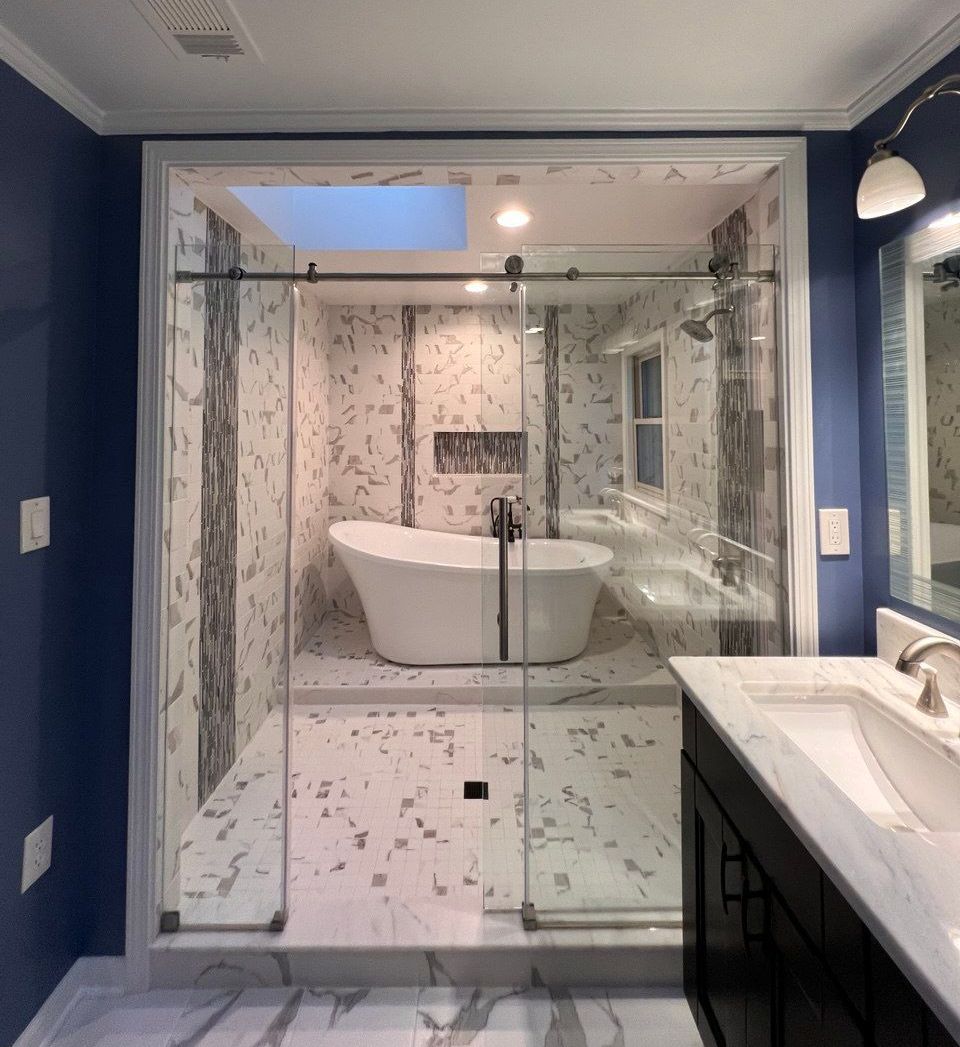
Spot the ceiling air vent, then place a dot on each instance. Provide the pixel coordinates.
(199, 28)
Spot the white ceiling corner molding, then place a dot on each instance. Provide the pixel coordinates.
(44, 77)
(915, 65)
(252, 121)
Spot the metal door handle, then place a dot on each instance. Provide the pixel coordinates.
(503, 618)
(728, 897)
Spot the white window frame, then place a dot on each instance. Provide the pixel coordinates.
(654, 344)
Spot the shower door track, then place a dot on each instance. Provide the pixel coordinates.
(314, 276)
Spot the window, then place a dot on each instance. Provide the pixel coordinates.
(647, 451)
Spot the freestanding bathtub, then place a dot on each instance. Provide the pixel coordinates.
(431, 598)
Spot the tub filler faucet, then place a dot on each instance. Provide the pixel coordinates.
(514, 526)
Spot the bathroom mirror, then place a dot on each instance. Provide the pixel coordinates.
(920, 285)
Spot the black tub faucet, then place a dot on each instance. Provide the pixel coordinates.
(513, 525)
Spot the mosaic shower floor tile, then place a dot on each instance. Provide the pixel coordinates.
(377, 811)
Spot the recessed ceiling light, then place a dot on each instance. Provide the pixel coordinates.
(476, 287)
(944, 222)
(512, 217)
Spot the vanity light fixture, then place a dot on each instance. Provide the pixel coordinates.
(536, 329)
(512, 217)
(476, 287)
(758, 338)
(890, 183)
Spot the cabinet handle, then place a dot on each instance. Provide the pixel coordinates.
(749, 938)
(725, 859)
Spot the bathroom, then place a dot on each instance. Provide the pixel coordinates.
(488, 560)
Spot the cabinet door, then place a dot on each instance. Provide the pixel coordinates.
(809, 1010)
(755, 935)
(721, 960)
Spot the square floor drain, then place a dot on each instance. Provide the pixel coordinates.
(476, 791)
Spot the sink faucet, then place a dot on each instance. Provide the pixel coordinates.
(911, 662)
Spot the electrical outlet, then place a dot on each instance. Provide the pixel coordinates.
(37, 853)
(834, 532)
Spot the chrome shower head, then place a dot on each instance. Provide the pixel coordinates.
(699, 330)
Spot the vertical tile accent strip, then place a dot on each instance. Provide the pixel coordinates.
(408, 401)
(551, 407)
(218, 512)
(736, 429)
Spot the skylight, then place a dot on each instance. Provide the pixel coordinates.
(362, 218)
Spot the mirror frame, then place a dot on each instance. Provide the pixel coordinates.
(905, 419)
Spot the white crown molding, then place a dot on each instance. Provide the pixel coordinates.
(915, 65)
(253, 121)
(42, 75)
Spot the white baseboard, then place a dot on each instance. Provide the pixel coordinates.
(89, 976)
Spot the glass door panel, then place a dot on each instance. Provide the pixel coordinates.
(651, 412)
(500, 486)
(224, 715)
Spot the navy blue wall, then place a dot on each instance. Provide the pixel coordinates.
(49, 189)
(930, 143)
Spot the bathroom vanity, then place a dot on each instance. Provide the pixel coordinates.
(811, 917)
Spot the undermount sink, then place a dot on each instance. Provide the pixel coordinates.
(901, 775)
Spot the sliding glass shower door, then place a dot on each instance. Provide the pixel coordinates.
(652, 472)
(224, 692)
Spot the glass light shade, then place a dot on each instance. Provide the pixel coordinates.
(889, 184)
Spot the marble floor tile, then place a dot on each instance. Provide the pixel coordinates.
(354, 1018)
(143, 1020)
(233, 1018)
(483, 1018)
(430, 1017)
(552, 1018)
(611, 1016)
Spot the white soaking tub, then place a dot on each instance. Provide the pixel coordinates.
(431, 598)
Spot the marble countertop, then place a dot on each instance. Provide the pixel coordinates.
(905, 886)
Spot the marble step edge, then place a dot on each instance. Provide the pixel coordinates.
(648, 965)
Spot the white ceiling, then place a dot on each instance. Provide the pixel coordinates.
(497, 64)
(657, 205)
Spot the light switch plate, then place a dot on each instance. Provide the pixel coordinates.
(34, 524)
(37, 853)
(834, 532)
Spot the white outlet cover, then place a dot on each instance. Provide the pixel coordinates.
(834, 532)
(37, 853)
(34, 524)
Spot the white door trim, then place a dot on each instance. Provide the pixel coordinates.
(788, 154)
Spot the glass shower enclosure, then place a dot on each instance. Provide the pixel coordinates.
(652, 480)
(615, 446)
(228, 608)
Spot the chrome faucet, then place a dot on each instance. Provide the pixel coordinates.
(911, 662)
(729, 569)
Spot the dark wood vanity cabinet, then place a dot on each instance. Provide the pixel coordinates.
(773, 955)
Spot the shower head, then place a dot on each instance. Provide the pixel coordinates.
(699, 330)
